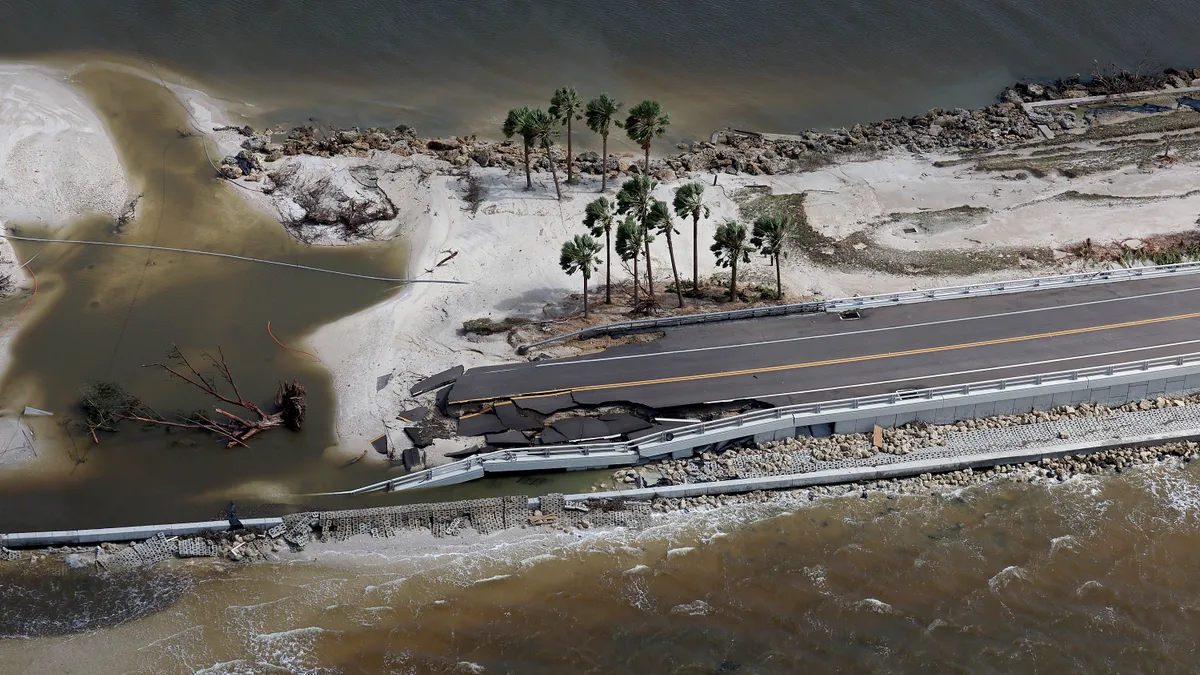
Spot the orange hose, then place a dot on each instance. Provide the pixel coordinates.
(27, 304)
(299, 351)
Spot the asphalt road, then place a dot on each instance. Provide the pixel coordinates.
(797, 359)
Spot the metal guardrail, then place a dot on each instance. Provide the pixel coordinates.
(453, 469)
(882, 300)
(861, 402)
(478, 462)
(1014, 286)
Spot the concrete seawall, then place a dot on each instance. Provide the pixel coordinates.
(505, 512)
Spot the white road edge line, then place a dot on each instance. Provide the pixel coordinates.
(963, 372)
(553, 364)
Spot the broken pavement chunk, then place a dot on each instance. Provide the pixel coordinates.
(436, 380)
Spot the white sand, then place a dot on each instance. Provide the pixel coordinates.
(57, 163)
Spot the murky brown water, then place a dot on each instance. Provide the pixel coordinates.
(103, 312)
(1094, 575)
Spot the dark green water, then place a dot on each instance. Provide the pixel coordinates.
(450, 68)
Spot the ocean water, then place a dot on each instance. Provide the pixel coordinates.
(1093, 575)
(456, 67)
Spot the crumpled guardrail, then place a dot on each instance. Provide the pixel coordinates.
(438, 474)
(881, 300)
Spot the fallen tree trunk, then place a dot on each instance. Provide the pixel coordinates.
(106, 403)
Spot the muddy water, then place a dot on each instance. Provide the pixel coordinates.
(1094, 575)
(103, 312)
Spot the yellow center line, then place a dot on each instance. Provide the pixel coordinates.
(848, 359)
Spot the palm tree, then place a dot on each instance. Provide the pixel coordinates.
(518, 124)
(545, 129)
(730, 247)
(659, 219)
(631, 237)
(770, 232)
(601, 112)
(579, 255)
(646, 120)
(689, 203)
(599, 217)
(564, 107)
(636, 197)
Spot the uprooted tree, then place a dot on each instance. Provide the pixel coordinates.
(105, 404)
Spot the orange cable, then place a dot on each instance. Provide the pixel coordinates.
(301, 351)
(27, 304)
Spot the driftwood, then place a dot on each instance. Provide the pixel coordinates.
(355, 460)
(106, 403)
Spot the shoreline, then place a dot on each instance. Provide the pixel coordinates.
(57, 164)
(374, 532)
(853, 200)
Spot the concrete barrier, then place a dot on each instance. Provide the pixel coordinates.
(123, 534)
(882, 300)
(884, 471)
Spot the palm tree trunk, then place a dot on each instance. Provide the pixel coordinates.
(674, 270)
(647, 159)
(528, 176)
(778, 280)
(649, 273)
(585, 298)
(608, 265)
(570, 157)
(696, 252)
(604, 161)
(636, 282)
(733, 280)
(553, 172)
